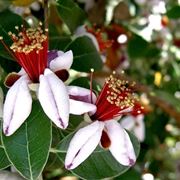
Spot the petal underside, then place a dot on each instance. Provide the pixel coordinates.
(79, 107)
(83, 144)
(17, 106)
(54, 98)
(121, 146)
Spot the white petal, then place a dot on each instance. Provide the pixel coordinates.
(139, 129)
(1, 102)
(63, 61)
(54, 98)
(128, 122)
(121, 146)
(81, 93)
(79, 107)
(83, 144)
(17, 106)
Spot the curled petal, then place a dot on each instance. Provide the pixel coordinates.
(121, 146)
(54, 98)
(83, 144)
(53, 54)
(17, 106)
(139, 129)
(11, 79)
(64, 61)
(81, 94)
(79, 107)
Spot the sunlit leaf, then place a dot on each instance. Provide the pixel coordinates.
(28, 147)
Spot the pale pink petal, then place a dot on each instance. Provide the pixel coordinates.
(81, 94)
(139, 128)
(128, 122)
(83, 144)
(121, 146)
(63, 61)
(1, 102)
(79, 107)
(54, 98)
(17, 106)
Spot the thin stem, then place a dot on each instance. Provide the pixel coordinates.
(46, 15)
(91, 79)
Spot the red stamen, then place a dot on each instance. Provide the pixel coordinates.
(91, 78)
(29, 49)
(115, 97)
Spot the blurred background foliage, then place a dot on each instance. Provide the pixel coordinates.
(145, 38)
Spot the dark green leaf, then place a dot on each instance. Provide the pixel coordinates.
(139, 47)
(85, 82)
(59, 43)
(28, 147)
(8, 24)
(101, 164)
(71, 13)
(85, 55)
(4, 162)
(129, 174)
(174, 12)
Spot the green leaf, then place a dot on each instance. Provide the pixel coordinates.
(101, 164)
(8, 24)
(71, 13)
(28, 147)
(59, 42)
(85, 82)
(4, 162)
(85, 55)
(137, 46)
(174, 12)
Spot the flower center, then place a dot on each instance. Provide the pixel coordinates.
(30, 49)
(115, 98)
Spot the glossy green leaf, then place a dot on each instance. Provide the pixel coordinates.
(129, 174)
(101, 164)
(85, 55)
(71, 13)
(174, 12)
(28, 147)
(4, 162)
(139, 47)
(8, 24)
(85, 82)
(59, 43)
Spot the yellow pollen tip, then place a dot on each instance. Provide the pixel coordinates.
(9, 33)
(92, 70)
(1, 38)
